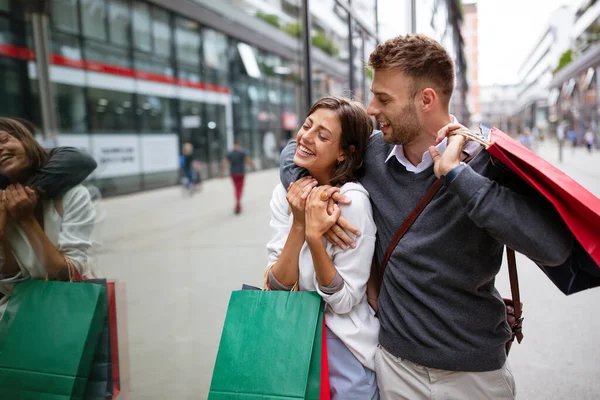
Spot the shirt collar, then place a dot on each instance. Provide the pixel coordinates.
(398, 151)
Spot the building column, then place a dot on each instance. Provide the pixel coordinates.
(39, 11)
(307, 44)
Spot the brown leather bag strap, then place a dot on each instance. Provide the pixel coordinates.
(514, 288)
(408, 221)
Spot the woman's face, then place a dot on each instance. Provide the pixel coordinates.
(318, 148)
(13, 158)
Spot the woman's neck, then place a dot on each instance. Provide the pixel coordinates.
(323, 177)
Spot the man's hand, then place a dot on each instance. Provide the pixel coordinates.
(339, 234)
(444, 163)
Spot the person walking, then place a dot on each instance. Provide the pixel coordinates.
(443, 323)
(237, 160)
(589, 141)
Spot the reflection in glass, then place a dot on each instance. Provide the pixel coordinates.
(141, 26)
(66, 45)
(161, 31)
(187, 41)
(155, 114)
(110, 111)
(107, 54)
(70, 107)
(64, 15)
(118, 22)
(93, 14)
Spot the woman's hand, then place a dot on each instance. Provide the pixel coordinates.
(20, 202)
(297, 194)
(318, 219)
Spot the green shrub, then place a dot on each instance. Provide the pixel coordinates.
(321, 41)
(294, 29)
(565, 59)
(271, 19)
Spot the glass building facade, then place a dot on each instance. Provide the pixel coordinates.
(132, 81)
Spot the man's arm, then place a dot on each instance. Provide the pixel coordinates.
(66, 168)
(288, 171)
(249, 162)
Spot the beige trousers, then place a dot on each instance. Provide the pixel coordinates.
(400, 379)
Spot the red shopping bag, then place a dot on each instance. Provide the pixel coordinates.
(579, 209)
(114, 338)
(120, 340)
(325, 389)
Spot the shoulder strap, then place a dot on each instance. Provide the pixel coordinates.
(414, 214)
(514, 288)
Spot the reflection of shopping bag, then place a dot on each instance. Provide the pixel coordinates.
(48, 337)
(579, 209)
(271, 347)
(100, 383)
(121, 338)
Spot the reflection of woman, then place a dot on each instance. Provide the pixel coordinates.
(330, 146)
(39, 238)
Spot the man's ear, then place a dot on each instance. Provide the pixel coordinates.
(428, 99)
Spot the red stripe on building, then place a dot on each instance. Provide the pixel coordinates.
(23, 53)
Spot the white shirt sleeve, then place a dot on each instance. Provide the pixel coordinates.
(75, 237)
(280, 227)
(354, 265)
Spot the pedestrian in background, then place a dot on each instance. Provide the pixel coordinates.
(589, 140)
(237, 160)
(187, 159)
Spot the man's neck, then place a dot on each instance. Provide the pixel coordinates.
(414, 151)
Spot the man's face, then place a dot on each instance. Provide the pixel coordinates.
(393, 106)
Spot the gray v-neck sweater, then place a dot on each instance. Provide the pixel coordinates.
(438, 305)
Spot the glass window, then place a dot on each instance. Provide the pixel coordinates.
(107, 54)
(141, 26)
(110, 111)
(64, 15)
(6, 34)
(150, 63)
(118, 22)
(11, 90)
(161, 31)
(66, 45)
(156, 114)
(70, 106)
(93, 17)
(187, 40)
(215, 49)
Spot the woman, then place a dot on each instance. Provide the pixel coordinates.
(40, 239)
(331, 143)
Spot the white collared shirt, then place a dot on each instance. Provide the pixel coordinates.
(426, 160)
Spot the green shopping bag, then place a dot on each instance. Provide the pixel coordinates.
(48, 337)
(270, 347)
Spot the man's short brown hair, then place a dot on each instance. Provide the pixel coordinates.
(420, 58)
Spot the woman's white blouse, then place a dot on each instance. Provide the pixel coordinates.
(347, 314)
(71, 234)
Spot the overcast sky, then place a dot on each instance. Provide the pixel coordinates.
(508, 29)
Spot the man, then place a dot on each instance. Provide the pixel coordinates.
(443, 323)
(237, 159)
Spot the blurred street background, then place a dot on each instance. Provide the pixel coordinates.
(132, 81)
